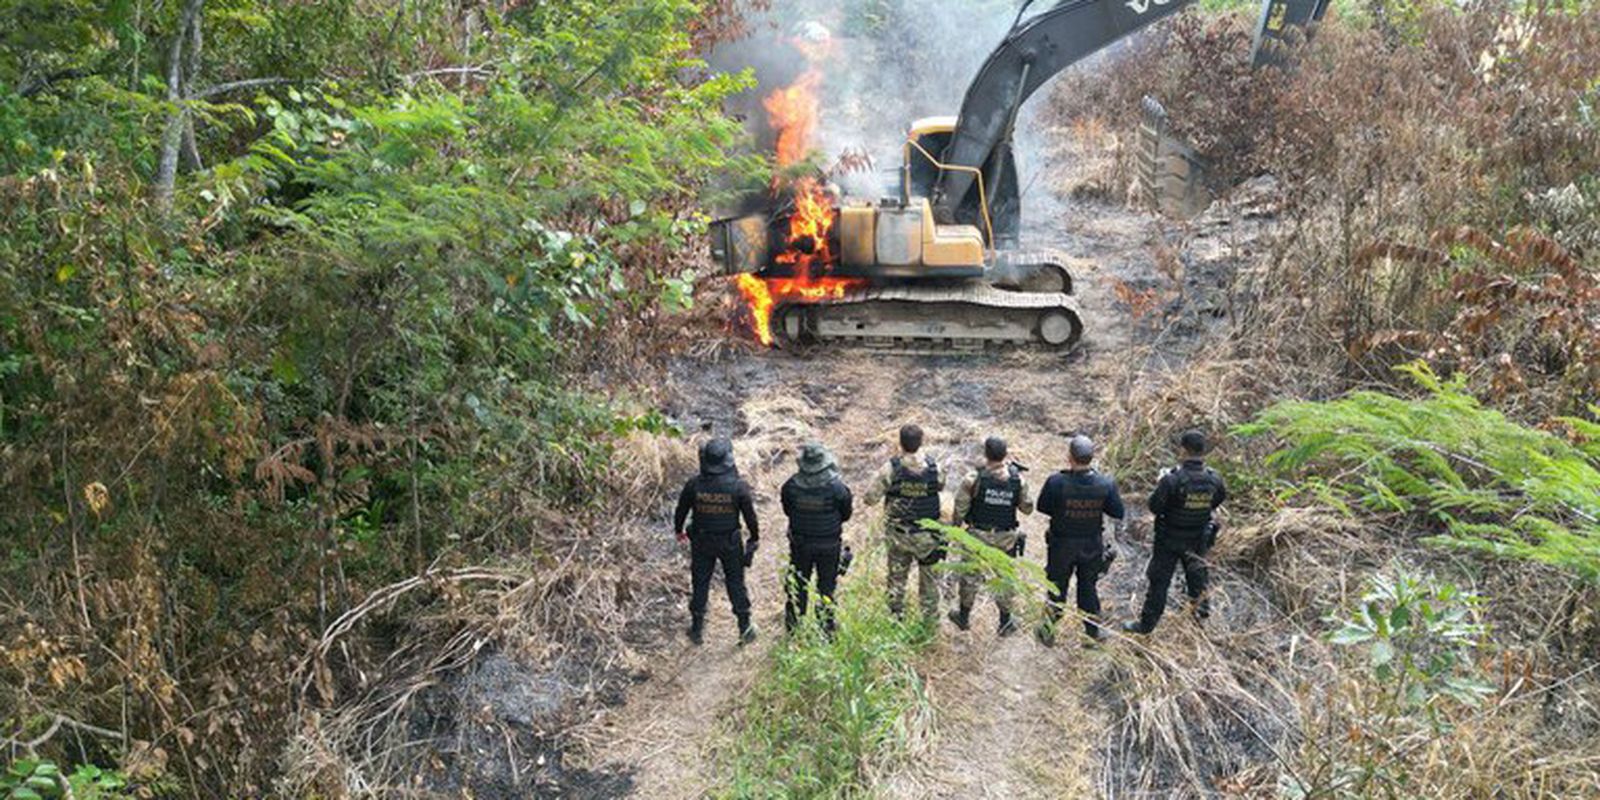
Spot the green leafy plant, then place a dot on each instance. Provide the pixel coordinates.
(1412, 642)
(42, 779)
(1023, 581)
(831, 711)
(1420, 638)
(1495, 486)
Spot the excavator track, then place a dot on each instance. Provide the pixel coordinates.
(967, 316)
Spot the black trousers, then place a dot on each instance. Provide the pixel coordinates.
(1060, 570)
(1169, 552)
(808, 559)
(703, 560)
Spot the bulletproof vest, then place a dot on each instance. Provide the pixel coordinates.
(994, 501)
(1083, 502)
(911, 496)
(814, 513)
(716, 504)
(1192, 496)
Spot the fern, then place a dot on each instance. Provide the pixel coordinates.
(1494, 485)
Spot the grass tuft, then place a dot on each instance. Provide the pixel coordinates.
(831, 714)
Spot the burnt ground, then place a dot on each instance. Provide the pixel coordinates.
(1012, 719)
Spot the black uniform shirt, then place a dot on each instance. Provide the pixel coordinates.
(720, 500)
(1077, 502)
(1185, 497)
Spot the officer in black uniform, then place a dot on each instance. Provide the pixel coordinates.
(1077, 499)
(717, 498)
(818, 504)
(1182, 505)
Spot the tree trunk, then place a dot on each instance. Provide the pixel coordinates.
(177, 116)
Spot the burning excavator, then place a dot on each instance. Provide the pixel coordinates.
(937, 265)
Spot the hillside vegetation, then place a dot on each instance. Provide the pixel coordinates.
(348, 352)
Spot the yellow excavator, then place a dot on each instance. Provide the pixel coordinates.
(937, 266)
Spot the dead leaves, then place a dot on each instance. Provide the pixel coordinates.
(1525, 301)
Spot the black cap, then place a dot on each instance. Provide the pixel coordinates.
(1193, 442)
(716, 456)
(994, 448)
(1082, 449)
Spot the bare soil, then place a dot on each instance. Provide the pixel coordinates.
(1012, 719)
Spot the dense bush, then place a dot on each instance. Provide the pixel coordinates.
(1438, 165)
(299, 298)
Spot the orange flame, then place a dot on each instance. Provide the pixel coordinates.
(792, 111)
(764, 294)
(810, 229)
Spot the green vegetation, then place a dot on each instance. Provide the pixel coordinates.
(297, 299)
(1493, 484)
(41, 779)
(1417, 643)
(1023, 581)
(830, 713)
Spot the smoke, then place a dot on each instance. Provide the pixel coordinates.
(887, 63)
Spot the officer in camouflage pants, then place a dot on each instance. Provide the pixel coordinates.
(909, 485)
(988, 502)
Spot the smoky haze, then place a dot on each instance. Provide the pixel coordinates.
(890, 62)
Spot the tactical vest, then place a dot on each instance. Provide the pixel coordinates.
(716, 505)
(913, 497)
(1192, 496)
(814, 513)
(1083, 503)
(994, 501)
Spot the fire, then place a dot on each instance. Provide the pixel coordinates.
(807, 250)
(792, 111)
(810, 227)
(764, 294)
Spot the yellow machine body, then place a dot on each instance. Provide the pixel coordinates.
(903, 240)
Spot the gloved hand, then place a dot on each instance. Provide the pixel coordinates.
(1021, 546)
(1107, 556)
(750, 550)
(846, 558)
(1209, 539)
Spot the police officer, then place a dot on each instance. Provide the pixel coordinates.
(909, 486)
(713, 502)
(818, 504)
(1182, 505)
(1077, 499)
(988, 503)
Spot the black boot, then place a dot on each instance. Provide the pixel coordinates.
(697, 630)
(961, 617)
(1137, 626)
(1091, 629)
(747, 630)
(1007, 626)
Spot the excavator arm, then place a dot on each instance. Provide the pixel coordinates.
(1032, 53)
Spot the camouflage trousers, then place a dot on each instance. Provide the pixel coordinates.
(968, 587)
(908, 546)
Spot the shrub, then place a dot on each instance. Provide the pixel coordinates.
(1494, 485)
(1417, 642)
(831, 712)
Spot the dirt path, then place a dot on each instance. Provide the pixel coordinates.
(1012, 719)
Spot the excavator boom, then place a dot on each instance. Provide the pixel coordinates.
(939, 266)
(1034, 51)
